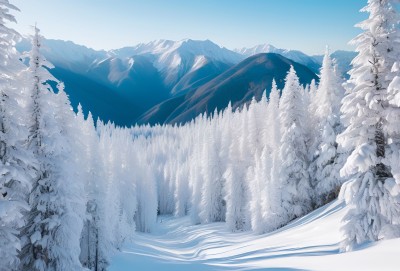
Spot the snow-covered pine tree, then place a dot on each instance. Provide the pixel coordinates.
(16, 161)
(364, 109)
(87, 238)
(96, 239)
(275, 216)
(259, 182)
(294, 178)
(195, 174)
(51, 235)
(182, 173)
(258, 174)
(326, 161)
(125, 182)
(146, 189)
(235, 195)
(312, 106)
(212, 200)
(393, 154)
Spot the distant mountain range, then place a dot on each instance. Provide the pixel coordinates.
(171, 81)
(237, 85)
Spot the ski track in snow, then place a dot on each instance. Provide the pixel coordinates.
(309, 243)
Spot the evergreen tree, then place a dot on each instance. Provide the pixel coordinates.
(364, 108)
(234, 178)
(212, 198)
(94, 248)
(51, 236)
(275, 213)
(294, 177)
(16, 161)
(260, 180)
(393, 156)
(327, 161)
(195, 177)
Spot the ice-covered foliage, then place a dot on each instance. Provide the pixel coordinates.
(16, 161)
(366, 135)
(295, 180)
(326, 158)
(54, 221)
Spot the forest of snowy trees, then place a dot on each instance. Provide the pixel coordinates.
(72, 191)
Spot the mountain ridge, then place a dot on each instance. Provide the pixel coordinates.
(238, 85)
(148, 74)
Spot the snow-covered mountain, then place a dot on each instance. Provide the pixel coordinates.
(237, 85)
(174, 59)
(294, 55)
(142, 76)
(66, 54)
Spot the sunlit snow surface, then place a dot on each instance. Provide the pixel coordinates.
(310, 243)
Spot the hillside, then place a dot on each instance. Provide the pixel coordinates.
(309, 243)
(237, 85)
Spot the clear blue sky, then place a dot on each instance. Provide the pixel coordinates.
(307, 25)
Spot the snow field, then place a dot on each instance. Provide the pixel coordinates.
(308, 243)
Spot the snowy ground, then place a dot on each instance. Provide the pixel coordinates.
(310, 243)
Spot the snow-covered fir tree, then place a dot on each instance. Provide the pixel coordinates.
(294, 176)
(260, 178)
(53, 222)
(364, 107)
(195, 180)
(393, 154)
(275, 213)
(212, 202)
(93, 247)
(326, 160)
(16, 161)
(236, 188)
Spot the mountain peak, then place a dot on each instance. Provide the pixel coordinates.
(258, 49)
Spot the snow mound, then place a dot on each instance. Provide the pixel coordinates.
(309, 243)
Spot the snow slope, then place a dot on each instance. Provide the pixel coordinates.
(174, 59)
(309, 243)
(169, 54)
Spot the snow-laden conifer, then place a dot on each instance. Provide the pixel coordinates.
(294, 177)
(372, 206)
(327, 161)
(16, 160)
(53, 222)
(236, 188)
(212, 202)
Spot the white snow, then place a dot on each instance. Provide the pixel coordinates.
(167, 52)
(120, 69)
(309, 243)
(199, 62)
(294, 55)
(261, 48)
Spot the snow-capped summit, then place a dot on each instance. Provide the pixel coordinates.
(66, 54)
(294, 55)
(174, 59)
(165, 50)
(261, 48)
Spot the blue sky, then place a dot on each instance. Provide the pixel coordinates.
(306, 25)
